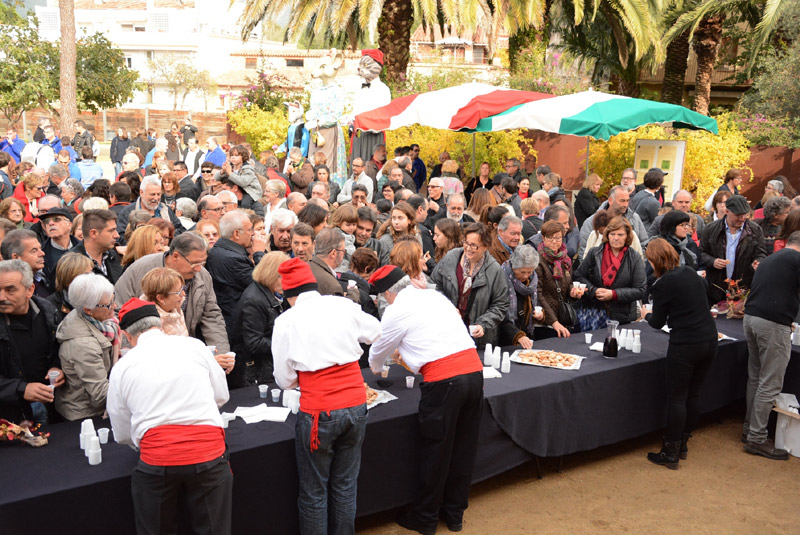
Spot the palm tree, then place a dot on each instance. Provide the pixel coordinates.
(703, 20)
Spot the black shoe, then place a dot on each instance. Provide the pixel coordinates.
(684, 451)
(451, 525)
(743, 438)
(766, 449)
(410, 522)
(668, 456)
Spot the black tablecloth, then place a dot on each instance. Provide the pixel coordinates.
(530, 411)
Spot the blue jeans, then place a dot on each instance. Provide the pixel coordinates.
(329, 475)
(117, 168)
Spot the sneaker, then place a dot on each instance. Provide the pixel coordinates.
(766, 449)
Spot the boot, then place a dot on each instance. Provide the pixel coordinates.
(668, 456)
(684, 452)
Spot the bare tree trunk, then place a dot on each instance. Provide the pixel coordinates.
(706, 42)
(68, 85)
(394, 38)
(675, 70)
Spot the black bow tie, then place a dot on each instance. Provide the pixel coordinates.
(365, 85)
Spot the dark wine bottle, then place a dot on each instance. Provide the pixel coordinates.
(610, 348)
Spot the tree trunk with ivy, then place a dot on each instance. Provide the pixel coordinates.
(675, 70)
(68, 86)
(707, 38)
(394, 38)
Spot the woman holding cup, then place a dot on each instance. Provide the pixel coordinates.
(555, 279)
(523, 312)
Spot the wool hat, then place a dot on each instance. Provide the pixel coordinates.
(134, 310)
(296, 277)
(374, 53)
(56, 212)
(384, 278)
(737, 205)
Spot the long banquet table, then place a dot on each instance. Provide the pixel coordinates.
(531, 411)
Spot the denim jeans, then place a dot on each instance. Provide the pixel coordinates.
(329, 475)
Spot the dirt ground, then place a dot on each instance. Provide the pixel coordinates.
(719, 489)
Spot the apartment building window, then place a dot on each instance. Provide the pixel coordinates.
(158, 22)
(129, 62)
(294, 62)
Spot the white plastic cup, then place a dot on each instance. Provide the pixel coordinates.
(53, 376)
(583, 286)
(262, 391)
(294, 405)
(87, 426)
(473, 330)
(85, 438)
(95, 457)
(488, 353)
(102, 434)
(81, 437)
(385, 371)
(276, 394)
(537, 310)
(637, 347)
(410, 381)
(286, 395)
(506, 367)
(588, 337)
(576, 285)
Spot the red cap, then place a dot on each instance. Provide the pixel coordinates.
(296, 277)
(134, 310)
(384, 278)
(374, 53)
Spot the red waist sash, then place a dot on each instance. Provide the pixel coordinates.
(178, 445)
(329, 389)
(466, 361)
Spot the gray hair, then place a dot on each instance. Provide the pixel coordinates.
(18, 266)
(74, 185)
(775, 206)
(612, 194)
(12, 243)
(777, 185)
(632, 170)
(403, 161)
(187, 207)
(283, 217)
(94, 203)
(271, 163)
(514, 161)
(454, 196)
(144, 324)
(188, 242)
(231, 222)
(87, 290)
(402, 284)
(541, 197)
(229, 194)
(327, 240)
(675, 196)
(551, 214)
(323, 184)
(295, 151)
(278, 187)
(59, 171)
(148, 180)
(508, 220)
(524, 256)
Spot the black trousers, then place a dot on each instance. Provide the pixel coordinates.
(207, 488)
(687, 366)
(449, 421)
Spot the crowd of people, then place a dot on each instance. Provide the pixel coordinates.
(216, 249)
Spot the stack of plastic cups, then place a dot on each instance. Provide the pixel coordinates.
(93, 451)
(637, 342)
(87, 432)
(496, 358)
(630, 340)
(488, 355)
(505, 367)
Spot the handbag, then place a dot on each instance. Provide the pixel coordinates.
(566, 312)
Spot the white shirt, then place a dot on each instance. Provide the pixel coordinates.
(164, 380)
(406, 326)
(318, 332)
(346, 194)
(189, 160)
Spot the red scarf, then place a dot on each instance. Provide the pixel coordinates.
(609, 267)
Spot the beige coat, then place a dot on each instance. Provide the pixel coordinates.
(85, 355)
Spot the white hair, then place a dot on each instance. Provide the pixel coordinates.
(226, 196)
(777, 185)
(402, 284)
(231, 222)
(18, 266)
(142, 325)
(278, 187)
(94, 203)
(282, 218)
(162, 144)
(455, 196)
(87, 290)
(524, 256)
(148, 180)
(187, 206)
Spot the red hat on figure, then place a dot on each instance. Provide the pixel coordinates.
(296, 278)
(374, 53)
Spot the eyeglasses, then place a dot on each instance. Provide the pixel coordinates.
(109, 306)
(193, 265)
(339, 250)
(471, 246)
(214, 209)
(553, 238)
(686, 225)
(206, 172)
(179, 292)
(437, 187)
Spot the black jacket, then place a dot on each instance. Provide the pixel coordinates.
(531, 226)
(586, 204)
(188, 189)
(679, 300)
(13, 379)
(113, 264)
(251, 330)
(81, 140)
(232, 272)
(629, 284)
(712, 246)
(118, 148)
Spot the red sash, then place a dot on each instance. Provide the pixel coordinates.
(178, 445)
(329, 389)
(466, 361)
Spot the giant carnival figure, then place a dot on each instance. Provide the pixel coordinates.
(297, 135)
(372, 94)
(322, 118)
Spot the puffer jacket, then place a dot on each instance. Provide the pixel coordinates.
(712, 246)
(85, 355)
(629, 284)
(489, 293)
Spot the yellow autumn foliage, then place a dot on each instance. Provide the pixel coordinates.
(263, 129)
(492, 147)
(708, 157)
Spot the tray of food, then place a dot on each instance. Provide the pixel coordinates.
(376, 397)
(547, 359)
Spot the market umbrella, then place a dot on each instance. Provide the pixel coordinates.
(453, 108)
(594, 114)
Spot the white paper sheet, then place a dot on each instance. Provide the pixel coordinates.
(491, 373)
(262, 413)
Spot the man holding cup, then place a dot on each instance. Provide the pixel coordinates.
(452, 393)
(332, 419)
(164, 398)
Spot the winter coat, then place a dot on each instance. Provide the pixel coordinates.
(253, 320)
(113, 264)
(586, 204)
(85, 355)
(232, 271)
(118, 147)
(489, 294)
(547, 291)
(629, 284)
(163, 211)
(632, 217)
(326, 280)
(81, 140)
(712, 246)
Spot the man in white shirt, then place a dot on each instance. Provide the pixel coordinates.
(452, 393)
(358, 177)
(163, 399)
(333, 412)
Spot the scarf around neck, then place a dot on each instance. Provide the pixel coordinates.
(558, 259)
(680, 247)
(520, 288)
(110, 329)
(610, 264)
